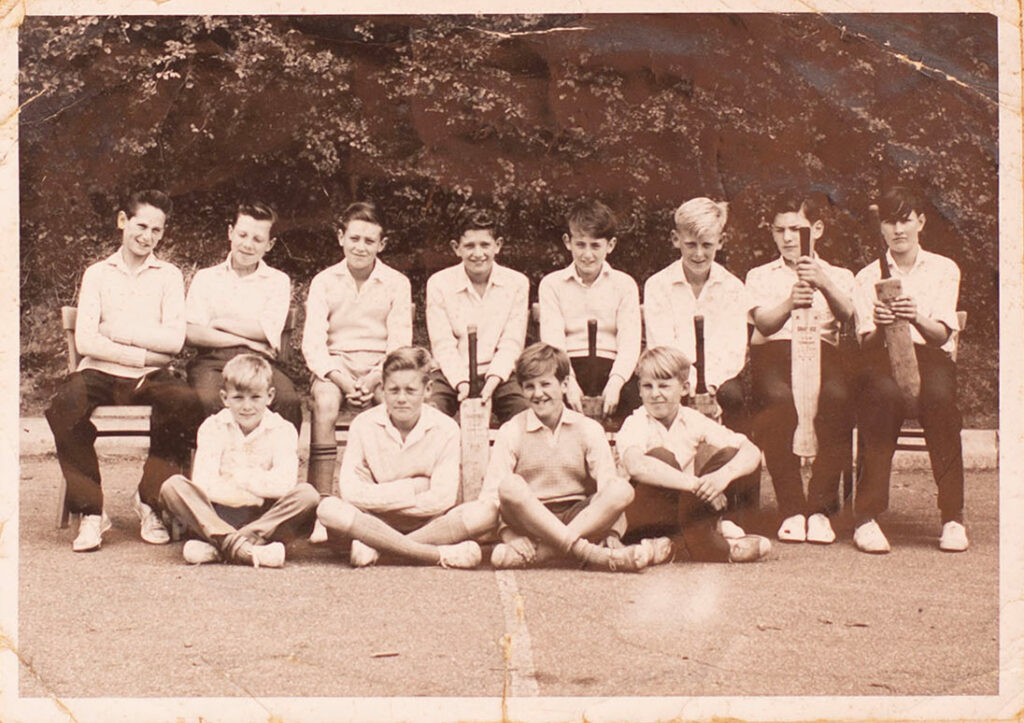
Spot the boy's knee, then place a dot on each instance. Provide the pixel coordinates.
(306, 495)
(171, 489)
(479, 516)
(618, 493)
(336, 514)
(513, 490)
(327, 400)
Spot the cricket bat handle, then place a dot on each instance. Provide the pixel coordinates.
(592, 338)
(698, 334)
(474, 377)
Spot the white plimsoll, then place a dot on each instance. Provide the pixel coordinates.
(90, 532)
(152, 528)
(869, 537)
(199, 552)
(793, 529)
(819, 529)
(362, 555)
(954, 537)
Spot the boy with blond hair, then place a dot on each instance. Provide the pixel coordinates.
(399, 478)
(243, 500)
(131, 323)
(589, 288)
(658, 445)
(240, 306)
(553, 476)
(481, 293)
(357, 312)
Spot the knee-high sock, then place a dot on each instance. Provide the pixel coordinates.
(321, 466)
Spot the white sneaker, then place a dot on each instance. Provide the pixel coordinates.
(730, 530)
(505, 557)
(819, 529)
(362, 555)
(90, 532)
(199, 552)
(869, 537)
(319, 533)
(749, 548)
(954, 537)
(269, 555)
(659, 549)
(152, 529)
(793, 529)
(464, 555)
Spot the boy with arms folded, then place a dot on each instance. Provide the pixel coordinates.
(357, 311)
(589, 288)
(240, 306)
(131, 322)
(657, 446)
(930, 286)
(775, 289)
(553, 476)
(478, 292)
(399, 478)
(243, 499)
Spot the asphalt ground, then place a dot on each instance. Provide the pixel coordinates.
(133, 620)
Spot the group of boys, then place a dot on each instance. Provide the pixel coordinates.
(552, 487)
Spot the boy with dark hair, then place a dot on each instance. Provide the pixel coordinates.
(658, 445)
(399, 478)
(131, 322)
(481, 293)
(589, 288)
(775, 290)
(240, 306)
(357, 312)
(930, 288)
(243, 500)
(553, 476)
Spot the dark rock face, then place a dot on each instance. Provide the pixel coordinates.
(524, 112)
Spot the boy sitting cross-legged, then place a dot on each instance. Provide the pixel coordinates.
(399, 478)
(243, 491)
(658, 444)
(554, 477)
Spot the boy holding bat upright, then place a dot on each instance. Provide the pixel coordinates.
(492, 298)
(930, 285)
(776, 290)
(696, 305)
(590, 289)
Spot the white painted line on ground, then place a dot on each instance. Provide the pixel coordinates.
(520, 677)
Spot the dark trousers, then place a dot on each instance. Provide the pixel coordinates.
(175, 418)
(205, 373)
(592, 374)
(775, 421)
(880, 414)
(506, 402)
(736, 416)
(656, 510)
(230, 528)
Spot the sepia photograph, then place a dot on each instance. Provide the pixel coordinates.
(439, 363)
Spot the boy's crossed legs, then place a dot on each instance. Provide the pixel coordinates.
(445, 540)
(564, 529)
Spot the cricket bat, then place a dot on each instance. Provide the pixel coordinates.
(703, 401)
(805, 369)
(899, 343)
(593, 407)
(475, 421)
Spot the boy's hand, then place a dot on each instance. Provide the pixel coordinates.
(802, 295)
(882, 314)
(711, 485)
(574, 395)
(810, 272)
(903, 307)
(462, 391)
(490, 384)
(611, 393)
(342, 381)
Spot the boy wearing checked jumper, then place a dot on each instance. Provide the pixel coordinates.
(553, 476)
(775, 289)
(243, 499)
(591, 289)
(931, 285)
(357, 311)
(481, 293)
(240, 306)
(399, 478)
(658, 445)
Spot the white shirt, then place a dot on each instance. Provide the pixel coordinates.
(566, 303)
(933, 282)
(241, 470)
(499, 315)
(770, 284)
(380, 470)
(151, 298)
(687, 432)
(262, 296)
(669, 308)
